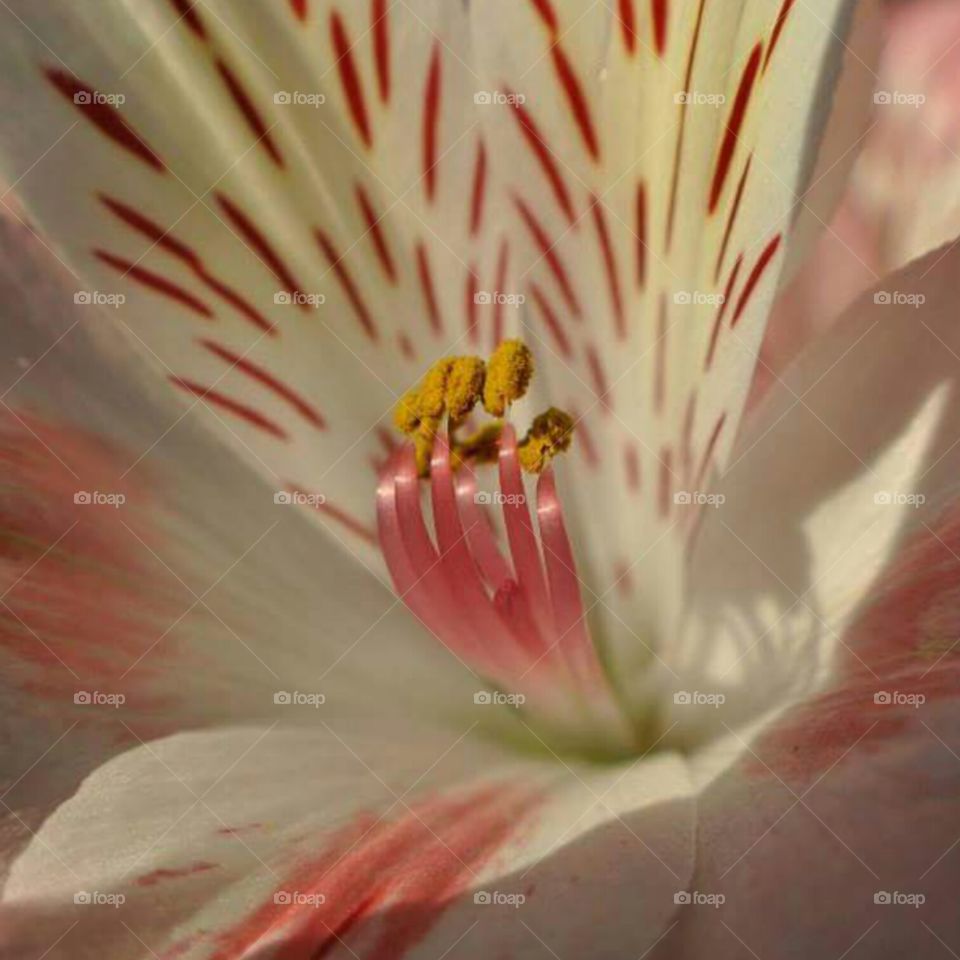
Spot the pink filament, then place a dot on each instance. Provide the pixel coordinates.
(516, 619)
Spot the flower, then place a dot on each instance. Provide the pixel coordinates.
(225, 734)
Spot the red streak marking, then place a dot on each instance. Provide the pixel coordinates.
(731, 220)
(598, 375)
(628, 23)
(631, 463)
(682, 135)
(546, 11)
(431, 122)
(214, 397)
(660, 375)
(734, 125)
(376, 234)
(250, 112)
(550, 255)
(299, 8)
(545, 156)
(157, 283)
(349, 78)
(665, 485)
(659, 11)
(381, 47)
(577, 100)
(233, 831)
(349, 287)
(610, 265)
(189, 256)
(721, 312)
(641, 234)
(260, 244)
(104, 116)
(778, 29)
(587, 446)
(768, 254)
(267, 379)
(472, 289)
(154, 877)
(708, 452)
(429, 290)
(187, 10)
(406, 346)
(503, 266)
(551, 321)
(341, 516)
(479, 189)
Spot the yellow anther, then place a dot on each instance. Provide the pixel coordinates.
(406, 414)
(551, 433)
(433, 390)
(509, 372)
(453, 386)
(464, 386)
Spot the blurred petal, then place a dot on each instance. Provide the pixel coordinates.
(851, 454)
(851, 798)
(195, 596)
(375, 848)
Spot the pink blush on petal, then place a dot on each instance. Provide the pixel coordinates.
(380, 885)
(903, 644)
(78, 603)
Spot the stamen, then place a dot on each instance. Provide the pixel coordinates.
(509, 372)
(514, 614)
(550, 434)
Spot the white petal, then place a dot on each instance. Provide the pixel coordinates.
(195, 596)
(201, 199)
(843, 814)
(200, 834)
(853, 452)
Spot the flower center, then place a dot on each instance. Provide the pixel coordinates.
(499, 592)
